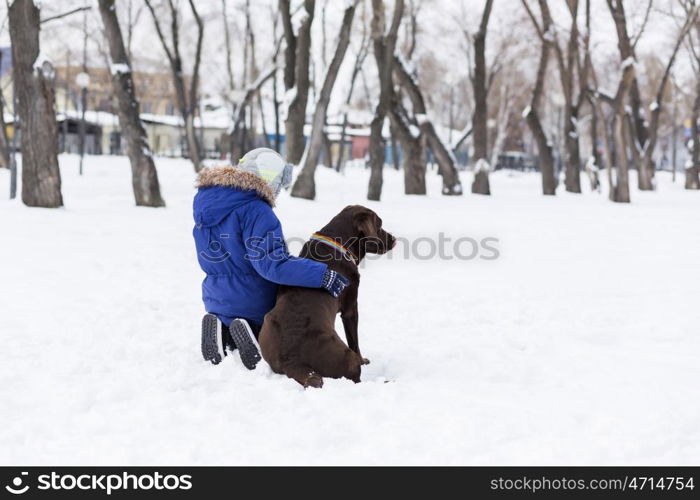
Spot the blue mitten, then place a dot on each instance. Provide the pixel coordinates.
(334, 282)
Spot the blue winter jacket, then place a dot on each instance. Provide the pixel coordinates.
(241, 248)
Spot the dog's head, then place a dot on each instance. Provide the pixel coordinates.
(368, 227)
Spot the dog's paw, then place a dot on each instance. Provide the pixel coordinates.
(314, 380)
(365, 361)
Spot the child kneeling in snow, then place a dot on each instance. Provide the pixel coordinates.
(241, 249)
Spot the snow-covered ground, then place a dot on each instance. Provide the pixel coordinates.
(579, 345)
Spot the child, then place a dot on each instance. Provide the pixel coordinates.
(241, 249)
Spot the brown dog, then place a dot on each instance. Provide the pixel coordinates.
(298, 337)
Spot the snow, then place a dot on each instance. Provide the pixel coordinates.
(627, 62)
(298, 18)
(560, 351)
(43, 64)
(526, 111)
(590, 164)
(287, 100)
(415, 131)
(654, 106)
(421, 118)
(117, 68)
(482, 166)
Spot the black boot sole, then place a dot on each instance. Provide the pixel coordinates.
(246, 343)
(211, 349)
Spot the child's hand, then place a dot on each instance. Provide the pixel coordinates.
(334, 282)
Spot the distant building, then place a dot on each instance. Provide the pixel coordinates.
(155, 91)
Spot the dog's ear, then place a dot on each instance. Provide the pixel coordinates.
(366, 223)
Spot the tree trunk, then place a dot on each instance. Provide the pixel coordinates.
(481, 113)
(646, 166)
(645, 173)
(620, 191)
(413, 151)
(34, 85)
(394, 149)
(278, 135)
(144, 177)
(384, 45)
(594, 135)
(639, 140)
(569, 64)
(192, 142)
(692, 173)
(290, 51)
(445, 159)
(572, 174)
(296, 115)
(532, 117)
(544, 149)
(4, 141)
(376, 156)
(305, 187)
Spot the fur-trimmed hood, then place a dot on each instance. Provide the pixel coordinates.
(235, 178)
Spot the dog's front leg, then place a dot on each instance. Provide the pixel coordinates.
(350, 319)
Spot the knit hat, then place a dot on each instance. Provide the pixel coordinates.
(269, 166)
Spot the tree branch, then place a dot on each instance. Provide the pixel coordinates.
(531, 15)
(636, 38)
(194, 84)
(65, 14)
(159, 31)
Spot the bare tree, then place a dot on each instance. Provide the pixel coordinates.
(692, 170)
(532, 113)
(144, 177)
(444, 157)
(616, 147)
(186, 100)
(34, 86)
(240, 108)
(133, 14)
(250, 75)
(481, 113)
(360, 57)
(384, 46)
(635, 115)
(296, 76)
(228, 47)
(242, 98)
(275, 97)
(646, 167)
(570, 66)
(413, 148)
(305, 187)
